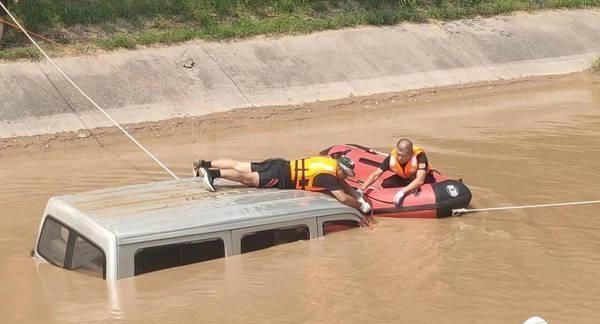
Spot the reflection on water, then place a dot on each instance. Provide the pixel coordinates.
(526, 143)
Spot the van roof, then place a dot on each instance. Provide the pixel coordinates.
(182, 207)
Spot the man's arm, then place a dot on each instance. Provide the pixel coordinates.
(384, 166)
(368, 220)
(349, 190)
(349, 200)
(417, 182)
(371, 178)
(346, 199)
(339, 189)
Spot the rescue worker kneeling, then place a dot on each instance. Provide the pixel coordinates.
(324, 174)
(411, 168)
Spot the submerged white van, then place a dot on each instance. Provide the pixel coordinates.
(127, 231)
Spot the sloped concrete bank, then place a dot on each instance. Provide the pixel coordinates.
(199, 78)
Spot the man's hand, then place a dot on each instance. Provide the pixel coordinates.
(365, 208)
(372, 178)
(367, 221)
(360, 192)
(398, 198)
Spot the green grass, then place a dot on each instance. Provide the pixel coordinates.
(117, 41)
(596, 67)
(28, 52)
(113, 24)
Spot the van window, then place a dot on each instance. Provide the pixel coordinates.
(53, 242)
(87, 257)
(167, 256)
(66, 248)
(264, 239)
(338, 225)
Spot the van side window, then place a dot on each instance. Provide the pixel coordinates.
(264, 239)
(53, 242)
(338, 225)
(167, 256)
(87, 257)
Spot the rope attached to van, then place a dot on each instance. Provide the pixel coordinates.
(457, 212)
(86, 96)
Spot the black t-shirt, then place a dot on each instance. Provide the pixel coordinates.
(422, 162)
(328, 182)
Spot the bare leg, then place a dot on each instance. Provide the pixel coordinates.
(228, 164)
(233, 170)
(250, 179)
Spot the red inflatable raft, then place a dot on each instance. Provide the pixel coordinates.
(434, 199)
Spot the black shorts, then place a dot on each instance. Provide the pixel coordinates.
(397, 181)
(273, 173)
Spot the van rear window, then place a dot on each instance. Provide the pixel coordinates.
(264, 239)
(173, 255)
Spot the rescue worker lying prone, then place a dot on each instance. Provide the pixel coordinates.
(323, 174)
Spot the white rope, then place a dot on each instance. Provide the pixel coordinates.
(456, 212)
(86, 96)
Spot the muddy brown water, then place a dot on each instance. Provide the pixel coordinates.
(517, 143)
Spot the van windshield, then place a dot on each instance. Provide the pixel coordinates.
(53, 242)
(66, 248)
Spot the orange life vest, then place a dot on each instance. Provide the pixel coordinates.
(410, 169)
(304, 171)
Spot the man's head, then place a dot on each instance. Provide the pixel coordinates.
(404, 147)
(345, 167)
